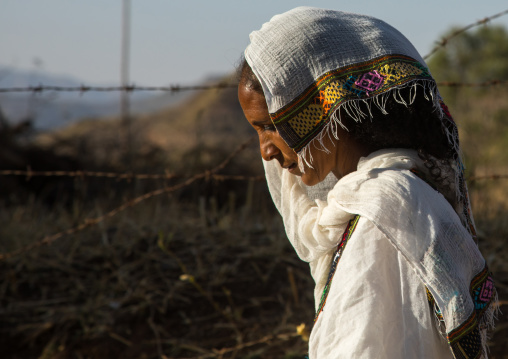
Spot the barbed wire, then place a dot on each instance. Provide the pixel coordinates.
(130, 176)
(472, 84)
(29, 173)
(473, 179)
(129, 88)
(94, 221)
(177, 88)
(444, 41)
(118, 176)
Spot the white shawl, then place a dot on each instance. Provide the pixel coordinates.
(414, 217)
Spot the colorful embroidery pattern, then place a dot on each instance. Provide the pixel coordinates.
(335, 261)
(466, 340)
(300, 120)
(370, 81)
(433, 305)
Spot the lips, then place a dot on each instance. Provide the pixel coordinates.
(292, 168)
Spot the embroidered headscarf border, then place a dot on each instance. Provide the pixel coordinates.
(301, 120)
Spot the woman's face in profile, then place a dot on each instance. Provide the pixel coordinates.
(273, 147)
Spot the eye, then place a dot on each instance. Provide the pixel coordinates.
(269, 127)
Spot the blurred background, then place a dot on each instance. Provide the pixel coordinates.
(134, 219)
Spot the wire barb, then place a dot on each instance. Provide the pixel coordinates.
(444, 41)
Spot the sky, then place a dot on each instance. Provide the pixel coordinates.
(184, 42)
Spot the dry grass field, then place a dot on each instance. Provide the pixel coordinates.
(201, 272)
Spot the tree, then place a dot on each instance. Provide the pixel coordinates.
(475, 56)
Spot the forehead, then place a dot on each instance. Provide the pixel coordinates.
(253, 103)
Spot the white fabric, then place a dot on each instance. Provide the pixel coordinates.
(408, 236)
(376, 307)
(314, 45)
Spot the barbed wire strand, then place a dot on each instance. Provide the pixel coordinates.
(130, 176)
(473, 179)
(172, 89)
(29, 173)
(129, 88)
(444, 41)
(472, 84)
(93, 221)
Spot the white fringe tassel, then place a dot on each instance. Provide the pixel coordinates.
(354, 110)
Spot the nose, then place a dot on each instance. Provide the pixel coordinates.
(268, 149)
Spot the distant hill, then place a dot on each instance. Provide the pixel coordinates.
(50, 110)
(200, 130)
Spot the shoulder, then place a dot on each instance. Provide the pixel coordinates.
(398, 203)
(381, 187)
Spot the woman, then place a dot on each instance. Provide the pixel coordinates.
(391, 245)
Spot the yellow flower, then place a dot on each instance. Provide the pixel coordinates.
(302, 331)
(187, 277)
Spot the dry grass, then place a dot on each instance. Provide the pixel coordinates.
(162, 278)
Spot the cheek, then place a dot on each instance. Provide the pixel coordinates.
(280, 143)
(311, 177)
(321, 167)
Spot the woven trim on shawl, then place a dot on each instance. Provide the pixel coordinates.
(302, 119)
(468, 340)
(348, 232)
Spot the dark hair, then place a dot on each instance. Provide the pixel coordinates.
(248, 79)
(417, 125)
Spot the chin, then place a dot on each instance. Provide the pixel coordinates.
(310, 180)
